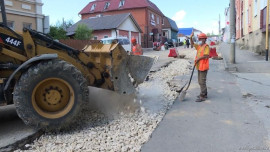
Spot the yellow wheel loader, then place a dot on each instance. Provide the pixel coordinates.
(48, 81)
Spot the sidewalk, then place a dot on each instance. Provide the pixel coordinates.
(231, 119)
(246, 61)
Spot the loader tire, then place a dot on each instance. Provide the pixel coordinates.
(50, 95)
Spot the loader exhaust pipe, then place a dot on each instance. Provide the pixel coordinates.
(3, 11)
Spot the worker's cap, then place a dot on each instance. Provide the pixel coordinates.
(202, 36)
(133, 40)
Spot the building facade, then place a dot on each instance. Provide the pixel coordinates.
(170, 29)
(147, 15)
(251, 24)
(26, 13)
(119, 25)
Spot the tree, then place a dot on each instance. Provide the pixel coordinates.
(64, 24)
(208, 34)
(58, 31)
(83, 32)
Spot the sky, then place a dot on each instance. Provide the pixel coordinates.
(200, 14)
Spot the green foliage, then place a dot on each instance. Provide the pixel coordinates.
(83, 32)
(58, 31)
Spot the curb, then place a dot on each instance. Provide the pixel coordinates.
(229, 68)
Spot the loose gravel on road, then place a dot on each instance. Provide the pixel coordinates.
(95, 131)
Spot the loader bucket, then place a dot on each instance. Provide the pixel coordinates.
(126, 71)
(139, 67)
(130, 71)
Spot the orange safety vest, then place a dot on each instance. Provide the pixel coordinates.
(203, 63)
(136, 51)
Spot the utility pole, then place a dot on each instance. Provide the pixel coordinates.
(232, 30)
(267, 31)
(219, 26)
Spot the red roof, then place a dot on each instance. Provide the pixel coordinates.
(114, 5)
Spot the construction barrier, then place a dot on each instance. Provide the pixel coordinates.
(172, 53)
(213, 52)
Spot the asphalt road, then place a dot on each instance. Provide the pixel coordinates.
(12, 128)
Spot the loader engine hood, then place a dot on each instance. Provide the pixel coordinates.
(126, 71)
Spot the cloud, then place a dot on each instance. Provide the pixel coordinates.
(180, 24)
(208, 26)
(179, 16)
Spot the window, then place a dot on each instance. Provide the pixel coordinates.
(10, 24)
(153, 16)
(93, 7)
(27, 25)
(163, 21)
(122, 2)
(107, 4)
(152, 20)
(95, 38)
(157, 20)
(27, 7)
(106, 36)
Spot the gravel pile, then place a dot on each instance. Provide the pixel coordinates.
(95, 131)
(190, 53)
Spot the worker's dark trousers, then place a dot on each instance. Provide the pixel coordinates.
(202, 82)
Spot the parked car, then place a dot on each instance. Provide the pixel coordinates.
(124, 41)
(170, 43)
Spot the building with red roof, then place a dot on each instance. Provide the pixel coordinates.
(147, 14)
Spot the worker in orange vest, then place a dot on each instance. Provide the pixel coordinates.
(202, 63)
(136, 48)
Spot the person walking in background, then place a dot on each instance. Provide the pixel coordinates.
(136, 48)
(202, 63)
(187, 42)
